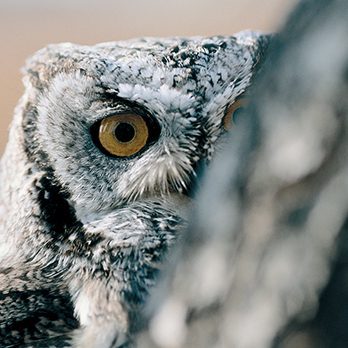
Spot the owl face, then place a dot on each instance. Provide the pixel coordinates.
(122, 121)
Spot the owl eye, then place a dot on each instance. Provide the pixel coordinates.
(123, 135)
(233, 113)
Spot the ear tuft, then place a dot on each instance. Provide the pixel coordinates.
(48, 62)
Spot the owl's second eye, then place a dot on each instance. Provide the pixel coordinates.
(123, 135)
(233, 112)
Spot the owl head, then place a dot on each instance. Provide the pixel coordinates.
(118, 122)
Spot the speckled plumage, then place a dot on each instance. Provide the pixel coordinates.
(82, 234)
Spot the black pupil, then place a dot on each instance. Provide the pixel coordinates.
(124, 132)
(237, 115)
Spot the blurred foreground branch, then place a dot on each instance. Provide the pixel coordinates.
(264, 263)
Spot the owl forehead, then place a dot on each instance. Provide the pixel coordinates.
(202, 66)
(178, 75)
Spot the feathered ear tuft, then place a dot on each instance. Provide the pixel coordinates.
(47, 63)
(257, 42)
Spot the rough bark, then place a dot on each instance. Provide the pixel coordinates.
(264, 262)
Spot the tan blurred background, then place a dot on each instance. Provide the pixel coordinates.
(27, 25)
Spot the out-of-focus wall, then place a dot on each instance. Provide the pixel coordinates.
(27, 25)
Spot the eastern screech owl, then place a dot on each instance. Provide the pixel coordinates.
(96, 178)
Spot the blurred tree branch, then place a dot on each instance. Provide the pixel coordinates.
(264, 262)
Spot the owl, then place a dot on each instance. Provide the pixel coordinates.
(99, 173)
